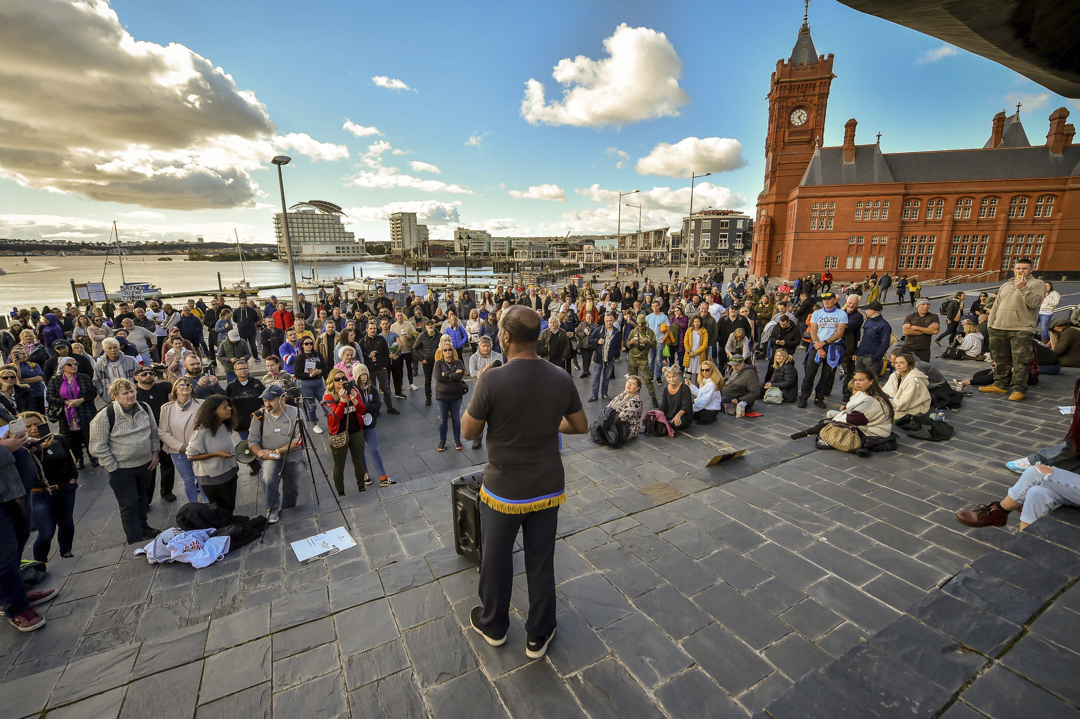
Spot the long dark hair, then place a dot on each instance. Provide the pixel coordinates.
(875, 391)
(207, 414)
(1072, 437)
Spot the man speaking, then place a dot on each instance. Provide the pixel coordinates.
(525, 404)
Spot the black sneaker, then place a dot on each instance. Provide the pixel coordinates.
(169, 497)
(427, 402)
(801, 404)
(819, 403)
(476, 444)
(392, 411)
(474, 617)
(536, 647)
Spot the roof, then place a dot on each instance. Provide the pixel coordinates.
(827, 167)
(1012, 134)
(323, 206)
(804, 51)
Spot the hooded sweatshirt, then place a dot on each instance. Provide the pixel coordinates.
(1017, 309)
(51, 331)
(910, 396)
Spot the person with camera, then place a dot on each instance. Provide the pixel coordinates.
(450, 387)
(375, 353)
(369, 395)
(274, 438)
(154, 394)
(310, 372)
(54, 488)
(345, 422)
(203, 384)
(426, 349)
(211, 451)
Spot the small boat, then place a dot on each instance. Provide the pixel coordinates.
(3, 272)
(164, 259)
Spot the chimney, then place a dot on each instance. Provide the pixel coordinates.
(1055, 139)
(999, 129)
(1070, 132)
(849, 140)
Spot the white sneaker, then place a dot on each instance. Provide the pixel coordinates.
(316, 429)
(413, 388)
(274, 518)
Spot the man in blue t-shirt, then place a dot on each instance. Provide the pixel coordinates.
(656, 355)
(826, 351)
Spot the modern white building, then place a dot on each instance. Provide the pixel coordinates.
(404, 233)
(315, 231)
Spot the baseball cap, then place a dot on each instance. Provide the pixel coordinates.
(875, 306)
(828, 296)
(234, 335)
(273, 392)
(735, 359)
(641, 320)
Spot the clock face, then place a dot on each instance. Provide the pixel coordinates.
(798, 116)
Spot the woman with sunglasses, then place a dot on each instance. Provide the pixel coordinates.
(369, 395)
(345, 421)
(309, 368)
(97, 331)
(54, 488)
(17, 396)
(175, 428)
(211, 451)
(71, 395)
(32, 374)
(708, 402)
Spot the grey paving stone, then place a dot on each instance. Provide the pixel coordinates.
(1002, 694)
(1044, 553)
(537, 690)
(796, 657)
(596, 599)
(657, 519)
(691, 540)
(844, 637)
(87, 584)
(168, 695)
(28, 696)
(673, 612)
(993, 595)
(787, 565)
(1050, 666)
(811, 619)
(765, 692)
(826, 699)
(299, 608)
(969, 625)
(841, 562)
(732, 664)
(735, 535)
(235, 669)
(735, 569)
(895, 592)
(351, 591)
(322, 697)
(405, 574)
(859, 607)
(645, 650)
(302, 638)
(937, 657)
(170, 651)
(235, 629)
(789, 536)
(645, 544)
(364, 627)
(470, 695)
(606, 689)
(582, 645)
(364, 702)
(101, 706)
(1021, 573)
(693, 695)
(874, 679)
(300, 668)
(911, 570)
(418, 605)
(684, 574)
(960, 710)
(635, 580)
(375, 664)
(64, 634)
(1058, 624)
(742, 617)
(438, 651)
(400, 697)
(94, 675)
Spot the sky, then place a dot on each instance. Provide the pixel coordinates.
(522, 119)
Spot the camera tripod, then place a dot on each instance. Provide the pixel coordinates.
(300, 424)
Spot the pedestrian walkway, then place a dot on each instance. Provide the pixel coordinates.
(783, 579)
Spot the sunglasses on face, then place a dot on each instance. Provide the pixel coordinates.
(339, 379)
(8, 378)
(705, 370)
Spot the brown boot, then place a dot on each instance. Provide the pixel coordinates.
(993, 388)
(1017, 396)
(985, 515)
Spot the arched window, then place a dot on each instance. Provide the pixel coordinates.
(963, 208)
(988, 207)
(911, 210)
(935, 209)
(1018, 206)
(1044, 206)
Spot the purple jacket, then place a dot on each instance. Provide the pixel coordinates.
(51, 331)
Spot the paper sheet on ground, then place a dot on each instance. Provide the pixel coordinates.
(323, 545)
(1068, 410)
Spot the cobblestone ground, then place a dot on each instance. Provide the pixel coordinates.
(683, 591)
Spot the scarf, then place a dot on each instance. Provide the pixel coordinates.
(185, 406)
(69, 389)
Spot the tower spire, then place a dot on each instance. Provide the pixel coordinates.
(806, 14)
(804, 52)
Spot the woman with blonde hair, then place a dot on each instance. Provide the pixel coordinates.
(175, 427)
(346, 425)
(708, 401)
(738, 344)
(97, 332)
(785, 376)
(696, 343)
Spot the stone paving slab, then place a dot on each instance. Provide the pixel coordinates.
(682, 591)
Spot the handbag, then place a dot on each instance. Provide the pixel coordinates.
(842, 436)
(773, 395)
(730, 408)
(339, 440)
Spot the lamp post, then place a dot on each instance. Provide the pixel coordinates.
(465, 246)
(690, 225)
(618, 237)
(638, 226)
(279, 161)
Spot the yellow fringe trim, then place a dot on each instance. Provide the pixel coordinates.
(525, 508)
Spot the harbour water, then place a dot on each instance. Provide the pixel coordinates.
(47, 280)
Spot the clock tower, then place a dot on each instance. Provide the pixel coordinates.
(798, 97)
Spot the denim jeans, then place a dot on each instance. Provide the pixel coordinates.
(13, 599)
(285, 474)
(449, 411)
(656, 362)
(371, 447)
(311, 392)
(1048, 455)
(602, 374)
(1041, 495)
(1044, 326)
(187, 475)
(53, 514)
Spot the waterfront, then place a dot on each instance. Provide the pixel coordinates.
(47, 280)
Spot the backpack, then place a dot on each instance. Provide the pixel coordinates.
(111, 412)
(608, 429)
(773, 395)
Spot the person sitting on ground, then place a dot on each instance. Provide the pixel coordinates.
(785, 376)
(708, 401)
(627, 405)
(743, 385)
(1048, 362)
(677, 401)
(1040, 490)
(907, 387)
(972, 344)
(869, 409)
(1065, 341)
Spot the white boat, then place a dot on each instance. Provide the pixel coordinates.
(129, 290)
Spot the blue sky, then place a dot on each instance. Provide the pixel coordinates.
(148, 129)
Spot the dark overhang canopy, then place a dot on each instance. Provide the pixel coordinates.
(328, 208)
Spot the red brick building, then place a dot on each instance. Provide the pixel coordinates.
(855, 210)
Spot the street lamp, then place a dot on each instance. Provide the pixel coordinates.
(690, 226)
(279, 161)
(618, 237)
(638, 225)
(465, 246)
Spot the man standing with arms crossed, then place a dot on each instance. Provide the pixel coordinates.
(1012, 323)
(524, 483)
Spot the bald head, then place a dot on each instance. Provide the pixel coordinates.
(521, 324)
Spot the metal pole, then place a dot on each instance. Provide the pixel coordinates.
(288, 242)
(689, 230)
(618, 238)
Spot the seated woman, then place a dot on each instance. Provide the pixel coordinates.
(907, 387)
(627, 405)
(1039, 491)
(676, 401)
(707, 400)
(869, 409)
(785, 376)
(737, 344)
(971, 346)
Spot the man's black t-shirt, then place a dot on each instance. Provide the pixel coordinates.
(156, 396)
(921, 341)
(523, 403)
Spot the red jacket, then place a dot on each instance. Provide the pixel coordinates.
(337, 411)
(283, 320)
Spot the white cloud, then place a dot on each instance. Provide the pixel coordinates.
(26, 226)
(476, 139)
(1029, 101)
(389, 83)
(639, 80)
(424, 167)
(938, 53)
(360, 130)
(379, 176)
(541, 192)
(624, 157)
(111, 118)
(143, 215)
(428, 212)
(660, 205)
(692, 154)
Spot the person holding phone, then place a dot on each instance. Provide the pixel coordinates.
(54, 488)
(346, 425)
(211, 451)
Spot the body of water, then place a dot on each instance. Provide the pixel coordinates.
(47, 280)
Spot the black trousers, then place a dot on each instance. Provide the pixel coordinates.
(223, 495)
(498, 532)
(168, 473)
(810, 371)
(429, 367)
(355, 451)
(132, 488)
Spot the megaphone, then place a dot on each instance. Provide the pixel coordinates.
(244, 453)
